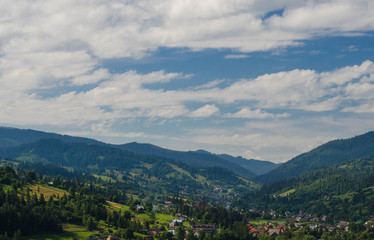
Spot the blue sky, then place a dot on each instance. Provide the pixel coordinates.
(260, 79)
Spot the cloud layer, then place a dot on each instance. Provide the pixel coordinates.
(52, 53)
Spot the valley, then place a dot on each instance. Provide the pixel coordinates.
(87, 189)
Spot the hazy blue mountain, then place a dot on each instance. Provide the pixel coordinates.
(150, 173)
(257, 166)
(328, 154)
(193, 158)
(10, 137)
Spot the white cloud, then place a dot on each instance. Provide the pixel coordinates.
(236, 56)
(256, 113)
(123, 96)
(205, 111)
(112, 29)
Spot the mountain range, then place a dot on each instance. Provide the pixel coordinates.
(329, 154)
(11, 137)
(336, 178)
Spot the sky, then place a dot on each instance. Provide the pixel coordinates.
(263, 79)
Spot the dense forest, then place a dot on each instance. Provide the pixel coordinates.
(150, 173)
(56, 185)
(343, 191)
(86, 201)
(331, 153)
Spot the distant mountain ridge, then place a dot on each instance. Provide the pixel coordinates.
(326, 155)
(193, 158)
(11, 137)
(142, 172)
(259, 167)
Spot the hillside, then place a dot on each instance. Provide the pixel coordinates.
(344, 191)
(193, 158)
(11, 137)
(331, 153)
(151, 174)
(257, 166)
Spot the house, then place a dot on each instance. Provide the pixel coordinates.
(343, 225)
(168, 203)
(173, 230)
(208, 228)
(274, 232)
(139, 208)
(112, 237)
(281, 228)
(154, 231)
(176, 223)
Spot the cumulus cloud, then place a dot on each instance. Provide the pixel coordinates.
(256, 113)
(205, 111)
(126, 95)
(236, 56)
(112, 29)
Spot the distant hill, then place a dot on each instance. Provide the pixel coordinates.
(328, 154)
(10, 137)
(151, 174)
(345, 191)
(257, 166)
(193, 158)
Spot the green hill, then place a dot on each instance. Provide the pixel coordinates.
(344, 191)
(152, 174)
(193, 158)
(331, 153)
(11, 137)
(257, 166)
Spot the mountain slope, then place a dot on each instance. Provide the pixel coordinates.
(345, 191)
(331, 153)
(257, 166)
(193, 158)
(10, 137)
(152, 174)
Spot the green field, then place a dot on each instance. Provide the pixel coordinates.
(6, 187)
(48, 191)
(163, 218)
(70, 231)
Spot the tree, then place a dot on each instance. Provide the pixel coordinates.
(129, 234)
(181, 232)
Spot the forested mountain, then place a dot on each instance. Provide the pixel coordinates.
(257, 166)
(331, 153)
(193, 158)
(10, 137)
(150, 173)
(344, 191)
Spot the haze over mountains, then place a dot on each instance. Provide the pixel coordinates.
(10, 137)
(328, 154)
(340, 169)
